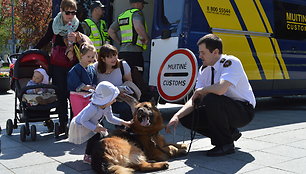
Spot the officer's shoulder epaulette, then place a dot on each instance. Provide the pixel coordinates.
(227, 63)
(222, 60)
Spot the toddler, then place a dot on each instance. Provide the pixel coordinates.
(85, 126)
(82, 78)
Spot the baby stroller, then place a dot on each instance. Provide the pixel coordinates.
(23, 70)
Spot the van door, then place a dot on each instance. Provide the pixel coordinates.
(290, 32)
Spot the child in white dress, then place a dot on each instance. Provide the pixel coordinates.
(85, 126)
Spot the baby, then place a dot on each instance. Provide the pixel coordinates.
(39, 95)
(40, 76)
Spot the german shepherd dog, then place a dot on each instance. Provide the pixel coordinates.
(124, 152)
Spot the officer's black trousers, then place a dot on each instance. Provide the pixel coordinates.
(217, 117)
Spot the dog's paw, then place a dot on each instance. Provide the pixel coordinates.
(165, 165)
(184, 146)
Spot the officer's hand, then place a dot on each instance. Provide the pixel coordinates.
(173, 122)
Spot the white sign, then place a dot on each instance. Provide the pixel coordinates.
(177, 75)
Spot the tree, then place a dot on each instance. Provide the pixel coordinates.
(5, 24)
(32, 18)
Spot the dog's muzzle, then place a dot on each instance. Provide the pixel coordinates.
(143, 116)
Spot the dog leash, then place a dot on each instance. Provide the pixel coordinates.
(173, 135)
(193, 122)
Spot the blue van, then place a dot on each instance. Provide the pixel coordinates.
(268, 36)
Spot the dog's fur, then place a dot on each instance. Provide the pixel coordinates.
(124, 152)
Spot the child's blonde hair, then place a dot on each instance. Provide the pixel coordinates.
(85, 47)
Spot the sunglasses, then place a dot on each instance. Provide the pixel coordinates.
(70, 12)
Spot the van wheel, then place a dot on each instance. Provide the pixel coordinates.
(23, 133)
(33, 132)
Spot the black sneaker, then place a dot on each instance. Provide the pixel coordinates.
(221, 150)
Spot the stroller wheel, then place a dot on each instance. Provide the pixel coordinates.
(56, 130)
(15, 123)
(33, 132)
(23, 133)
(9, 127)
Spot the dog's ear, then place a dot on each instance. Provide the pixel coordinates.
(131, 101)
(153, 101)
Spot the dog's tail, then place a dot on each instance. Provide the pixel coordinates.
(98, 163)
(116, 169)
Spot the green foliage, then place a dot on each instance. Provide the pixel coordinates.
(31, 18)
(5, 24)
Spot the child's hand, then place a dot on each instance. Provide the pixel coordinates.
(87, 87)
(123, 95)
(127, 123)
(100, 128)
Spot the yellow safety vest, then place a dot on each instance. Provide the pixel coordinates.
(128, 33)
(98, 37)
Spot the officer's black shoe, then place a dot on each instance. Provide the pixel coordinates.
(221, 150)
(236, 134)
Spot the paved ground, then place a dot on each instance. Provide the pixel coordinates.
(274, 142)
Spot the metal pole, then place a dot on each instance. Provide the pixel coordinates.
(13, 32)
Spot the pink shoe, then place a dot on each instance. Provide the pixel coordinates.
(87, 159)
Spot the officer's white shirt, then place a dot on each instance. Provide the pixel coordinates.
(228, 68)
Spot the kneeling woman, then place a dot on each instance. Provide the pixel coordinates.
(108, 69)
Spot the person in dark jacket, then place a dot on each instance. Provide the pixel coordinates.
(62, 31)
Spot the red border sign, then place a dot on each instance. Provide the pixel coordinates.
(181, 95)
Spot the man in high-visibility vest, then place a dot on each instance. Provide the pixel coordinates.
(94, 27)
(134, 38)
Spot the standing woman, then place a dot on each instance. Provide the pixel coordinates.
(108, 69)
(62, 31)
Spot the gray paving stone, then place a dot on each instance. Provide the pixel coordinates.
(269, 170)
(261, 158)
(228, 164)
(295, 165)
(46, 168)
(26, 159)
(187, 170)
(293, 126)
(5, 170)
(6, 142)
(262, 132)
(283, 137)
(253, 144)
(299, 144)
(284, 150)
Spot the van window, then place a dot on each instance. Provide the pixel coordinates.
(173, 10)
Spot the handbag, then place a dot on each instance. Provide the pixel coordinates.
(58, 56)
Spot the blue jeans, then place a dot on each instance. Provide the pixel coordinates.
(123, 109)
